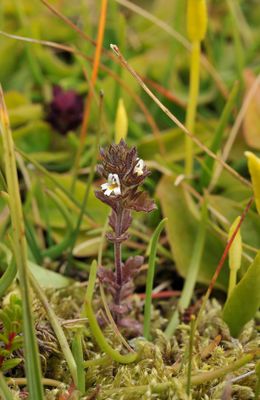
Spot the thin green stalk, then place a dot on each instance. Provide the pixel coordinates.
(150, 278)
(4, 389)
(96, 331)
(192, 272)
(31, 352)
(192, 104)
(77, 351)
(191, 341)
(57, 328)
(45, 214)
(32, 242)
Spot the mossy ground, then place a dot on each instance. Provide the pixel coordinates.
(161, 360)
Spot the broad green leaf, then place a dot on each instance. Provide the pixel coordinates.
(36, 136)
(88, 247)
(181, 228)
(10, 53)
(254, 169)
(25, 113)
(15, 99)
(9, 364)
(244, 300)
(47, 278)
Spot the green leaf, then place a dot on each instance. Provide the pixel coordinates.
(244, 300)
(9, 364)
(25, 113)
(35, 136)
(47, 278)
(182, 227)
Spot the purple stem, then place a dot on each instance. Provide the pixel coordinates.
(118, 255)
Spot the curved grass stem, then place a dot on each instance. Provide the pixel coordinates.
(57, 328)
(96, 331)
(150, 278)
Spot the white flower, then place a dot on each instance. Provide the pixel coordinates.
(112, 185)
(139, 168)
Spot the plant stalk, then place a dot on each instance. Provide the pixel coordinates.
(95, 329)
(57, 329)
(192, 104)
(4, 389)
(118, 254)
(31, 352)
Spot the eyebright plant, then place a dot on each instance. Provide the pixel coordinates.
(124, 173)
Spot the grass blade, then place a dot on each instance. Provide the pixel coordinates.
(150, 278)
(4, 389)
(32, 360)
(95, 329)
(56, 327)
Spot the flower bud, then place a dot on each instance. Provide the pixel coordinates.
(121, 124)
(197, 20)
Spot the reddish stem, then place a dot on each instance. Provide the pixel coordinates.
(118, 255)
(8, 346)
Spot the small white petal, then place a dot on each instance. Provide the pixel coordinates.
(112, 185)
(108, 192)
(139, 167)
(117, 191)
(110, 177)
